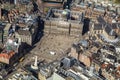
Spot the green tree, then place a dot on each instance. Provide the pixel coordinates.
(117, 1)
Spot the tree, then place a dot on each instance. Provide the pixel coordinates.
(117, 1)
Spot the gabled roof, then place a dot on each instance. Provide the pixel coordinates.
(5, 57)
(119, 25)
(101, 20)
(98, 27)
(109, 30)
(114, 26)
(118, 72)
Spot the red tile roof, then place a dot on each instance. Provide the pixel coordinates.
(118, 72)
(5, 57)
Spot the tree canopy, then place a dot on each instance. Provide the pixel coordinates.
(117, 1)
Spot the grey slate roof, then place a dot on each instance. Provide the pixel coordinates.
(112, 33)
(101, 20)
(119, 25)
(109, 30)
(98, 27)
(114, 26)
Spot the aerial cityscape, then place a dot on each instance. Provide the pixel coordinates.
(59, 39)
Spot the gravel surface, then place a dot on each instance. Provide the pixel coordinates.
(55, 43)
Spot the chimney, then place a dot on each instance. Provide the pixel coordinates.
(35, 66)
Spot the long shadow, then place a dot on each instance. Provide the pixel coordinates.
(86, 26)
(40, 32)
(23, 50)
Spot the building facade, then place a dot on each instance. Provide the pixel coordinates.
(63, 22)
